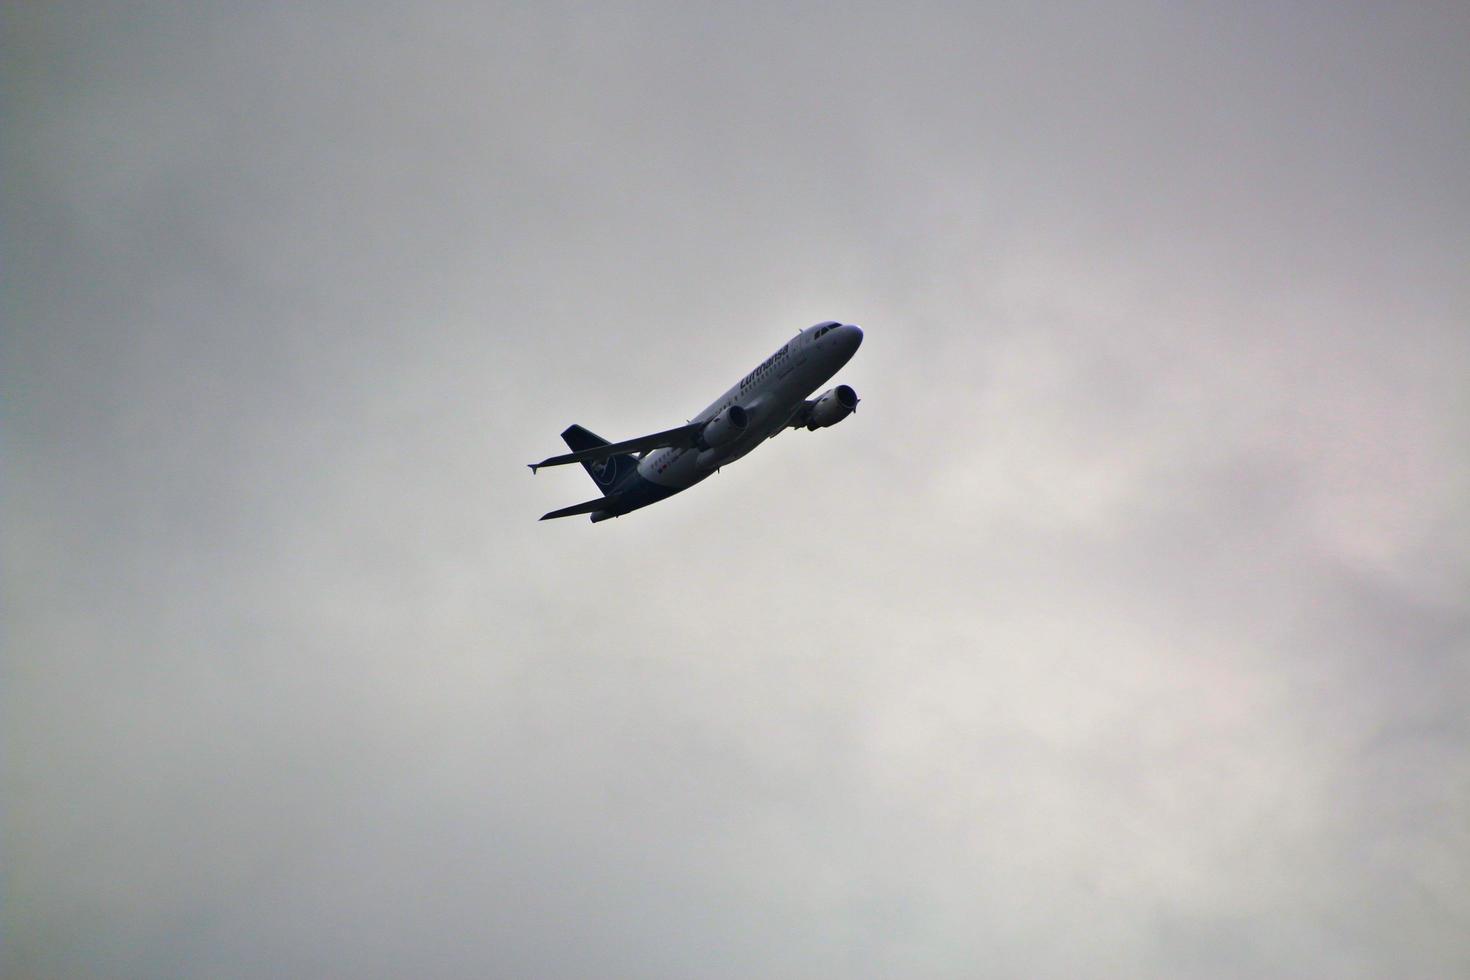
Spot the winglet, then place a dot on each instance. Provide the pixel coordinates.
(533, 467)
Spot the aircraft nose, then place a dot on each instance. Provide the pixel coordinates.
(852, 335)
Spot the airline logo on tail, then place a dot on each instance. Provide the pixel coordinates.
(604, 471)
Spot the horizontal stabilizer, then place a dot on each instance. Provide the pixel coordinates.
(684, 436)
(586, 507)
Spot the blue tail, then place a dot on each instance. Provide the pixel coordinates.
(606, 473)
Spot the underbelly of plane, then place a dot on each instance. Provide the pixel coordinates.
(678, 472)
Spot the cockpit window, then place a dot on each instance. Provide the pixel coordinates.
(824, 328)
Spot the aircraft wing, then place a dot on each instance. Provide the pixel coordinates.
(684, 436)
(798, 419)
(801, 415)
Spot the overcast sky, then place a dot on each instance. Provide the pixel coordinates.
(1124, 631)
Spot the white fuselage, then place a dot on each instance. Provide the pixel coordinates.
(771, 394)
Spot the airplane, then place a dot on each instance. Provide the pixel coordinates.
(766, 402)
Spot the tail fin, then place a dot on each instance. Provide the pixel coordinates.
(606, 473)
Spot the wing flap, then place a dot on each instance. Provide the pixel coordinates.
(684, 436)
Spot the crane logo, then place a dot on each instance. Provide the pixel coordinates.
(605, 471)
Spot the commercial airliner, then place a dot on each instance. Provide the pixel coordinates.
(767, 401)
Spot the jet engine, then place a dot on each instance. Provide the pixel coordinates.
(724, 428)
(831, 407)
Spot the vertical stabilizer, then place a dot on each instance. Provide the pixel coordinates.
(606, 473)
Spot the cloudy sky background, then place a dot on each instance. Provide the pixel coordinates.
(1125, 631)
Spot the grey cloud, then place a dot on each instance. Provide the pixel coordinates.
(1122, 632)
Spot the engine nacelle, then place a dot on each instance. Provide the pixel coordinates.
(832, 406)
(724, 428)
